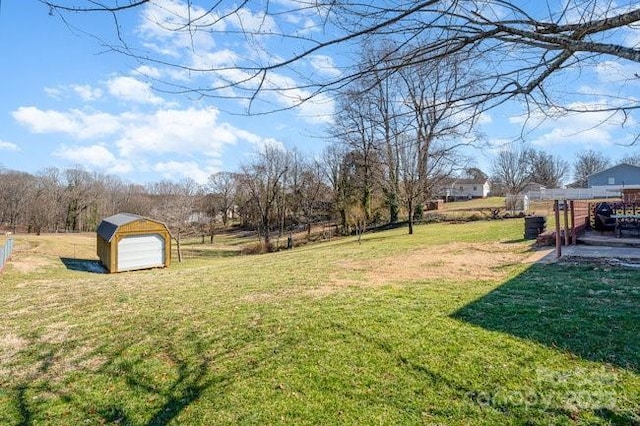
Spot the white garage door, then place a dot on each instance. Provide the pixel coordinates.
(140, 251)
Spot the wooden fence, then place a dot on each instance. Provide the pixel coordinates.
(5, 252)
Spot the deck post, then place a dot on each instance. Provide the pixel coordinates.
(557, 217)
(566, 223)
(574, 237)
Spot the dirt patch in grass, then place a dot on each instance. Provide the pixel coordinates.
(451, 262)
(10, 344)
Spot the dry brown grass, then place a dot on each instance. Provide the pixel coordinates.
(32, 253)
(452, 262)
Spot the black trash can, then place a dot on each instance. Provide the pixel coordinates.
(602, 217)
(534, 226)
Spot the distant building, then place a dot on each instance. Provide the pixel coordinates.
(464, 188)
(616, 176)
(533, 186)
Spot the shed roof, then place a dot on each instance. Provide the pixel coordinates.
(109, 225)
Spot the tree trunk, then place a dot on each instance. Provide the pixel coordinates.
(393, 210)
(266, 230)
(267, 241)
(411, 208)
(225, 218)
(343, 219)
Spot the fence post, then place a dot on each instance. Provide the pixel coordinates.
(574, 237)
(558, 238)
(5, 252)
(566, 222)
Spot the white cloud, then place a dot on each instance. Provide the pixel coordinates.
(589, 129)
(164, 26)
(8, 146)
(133, 90)
(53, 92)
(94, 156)
(148, 71)
(185, 169)
(616, 72)
(324, 65)
(485, 118)
(568, 133)
(185, 132)
(253, 23)
(214, 60)
(632, 38)
(318, 110)
(80, 124)
(87, 92)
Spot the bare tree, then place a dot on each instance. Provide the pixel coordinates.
(547, 169)
(511, 169)
(311, 190)
(334, 166)
(356, 129)
(222, 187)
(175, 205)
(476, 174)
(586, 163)
(632, 159)
(438, 125)
(262, 178)
(47, 209)
(382, 91)
(80, 194)
(16, 190)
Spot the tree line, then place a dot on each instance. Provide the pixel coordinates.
(274, 193)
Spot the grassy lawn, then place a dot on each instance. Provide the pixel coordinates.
(452, 325)
(476, 203)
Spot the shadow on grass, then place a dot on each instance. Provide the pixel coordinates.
(515, 241)
(186, 375)
(592, 312)
(83, 265)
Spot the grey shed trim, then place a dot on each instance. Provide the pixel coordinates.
(109, 225)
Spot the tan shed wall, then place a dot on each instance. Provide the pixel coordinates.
(108, 252)
(104, 253)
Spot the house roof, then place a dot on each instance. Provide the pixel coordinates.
(614, 167)
(109, 225)
(464, 181)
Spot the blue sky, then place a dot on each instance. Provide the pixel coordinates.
(65, 101)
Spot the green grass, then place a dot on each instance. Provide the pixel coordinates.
(313, 336)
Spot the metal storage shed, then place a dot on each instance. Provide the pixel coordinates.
(128, 242)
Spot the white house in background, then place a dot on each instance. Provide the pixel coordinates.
(464, 188)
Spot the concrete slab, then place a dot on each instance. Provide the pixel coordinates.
(608, 239)
(629, 256)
